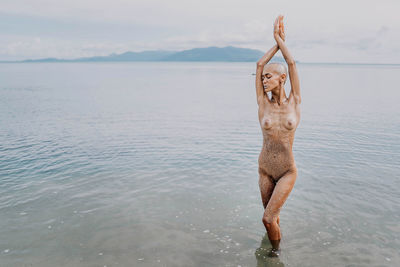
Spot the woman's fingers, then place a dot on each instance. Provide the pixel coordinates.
(281, 27)
(276, 25)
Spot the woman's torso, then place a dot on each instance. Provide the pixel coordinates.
(278, 124)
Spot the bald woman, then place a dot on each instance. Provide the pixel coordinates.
(279, 117)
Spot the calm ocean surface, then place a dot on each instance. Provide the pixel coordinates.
(155, 164)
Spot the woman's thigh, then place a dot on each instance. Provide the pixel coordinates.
(280, 193)
(266, 188)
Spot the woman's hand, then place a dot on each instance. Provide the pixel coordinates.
(279, 29)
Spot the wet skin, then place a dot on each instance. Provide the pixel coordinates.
(279, 117)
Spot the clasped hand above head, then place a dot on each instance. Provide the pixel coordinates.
(279, 29)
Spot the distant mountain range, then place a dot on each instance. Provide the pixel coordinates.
(224, 54)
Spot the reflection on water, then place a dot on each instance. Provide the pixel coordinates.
(266, 256)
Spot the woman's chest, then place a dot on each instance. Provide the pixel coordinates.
(281, 118)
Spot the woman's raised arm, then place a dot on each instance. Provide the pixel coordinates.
(260, 66)
(293, 75)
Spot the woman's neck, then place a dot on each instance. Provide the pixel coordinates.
(278, 95)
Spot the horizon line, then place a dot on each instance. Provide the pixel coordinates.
(82, 59)
(68, 61)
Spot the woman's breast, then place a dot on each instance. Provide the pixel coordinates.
(287, 122)
(266, 123)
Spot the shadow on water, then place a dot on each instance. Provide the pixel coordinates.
(263, 254)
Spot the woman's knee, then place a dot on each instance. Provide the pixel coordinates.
(268, 219)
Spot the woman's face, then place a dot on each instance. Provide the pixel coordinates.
(270, 78)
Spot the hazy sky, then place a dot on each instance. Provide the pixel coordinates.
(317, 30)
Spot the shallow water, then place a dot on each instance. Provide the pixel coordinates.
(155, 164)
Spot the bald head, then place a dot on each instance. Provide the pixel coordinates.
(277, 68)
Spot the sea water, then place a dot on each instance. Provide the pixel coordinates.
(155, 164)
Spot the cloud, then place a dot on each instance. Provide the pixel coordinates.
(73, 28)
(34, 48)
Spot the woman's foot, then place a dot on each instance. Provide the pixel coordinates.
(273, 253)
